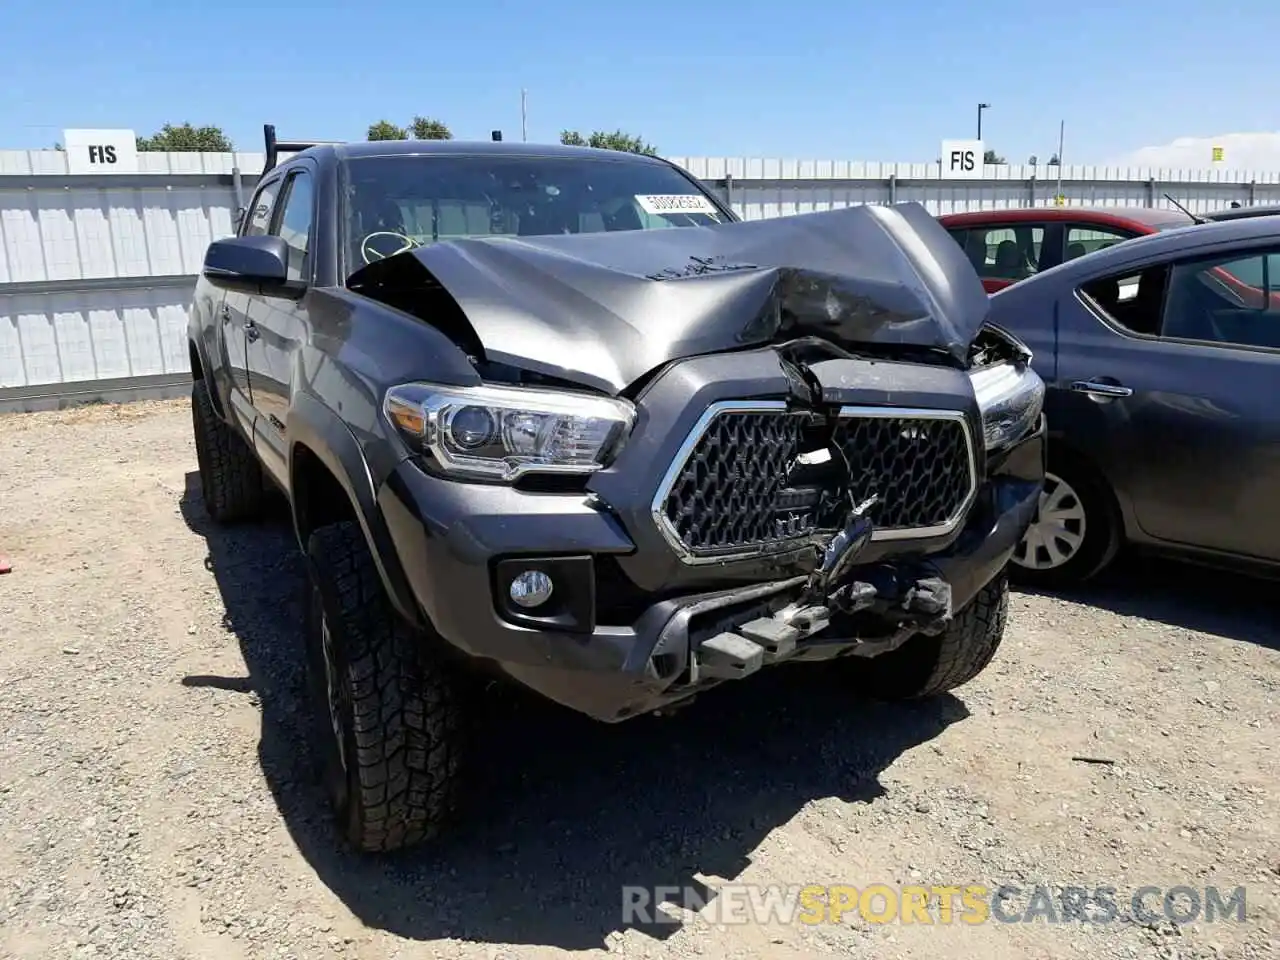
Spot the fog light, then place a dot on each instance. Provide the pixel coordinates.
(531, 588)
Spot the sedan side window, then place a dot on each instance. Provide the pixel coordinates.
(1086, 239)
(1227, 300)
(295, 224)
(1131, 301)
(1004, 252)
(258, 221)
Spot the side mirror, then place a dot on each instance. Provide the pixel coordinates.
(257, 265)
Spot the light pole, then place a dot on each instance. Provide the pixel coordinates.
(981, 107)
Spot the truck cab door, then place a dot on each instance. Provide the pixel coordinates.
(277, 326)
(231, 315)
(237, 310)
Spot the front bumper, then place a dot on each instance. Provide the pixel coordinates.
(625, 631)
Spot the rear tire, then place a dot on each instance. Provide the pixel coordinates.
(1074, 535)
(386, 712)
(927, 666)
(231, 479)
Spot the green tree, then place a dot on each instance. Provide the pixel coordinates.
(992, 157)
(187, 139)
(424, 128)
(1053, 161)
(617, 140)
(386, 130)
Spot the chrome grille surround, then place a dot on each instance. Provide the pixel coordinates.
(716, 505)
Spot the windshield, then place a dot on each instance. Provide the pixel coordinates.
(397, 202)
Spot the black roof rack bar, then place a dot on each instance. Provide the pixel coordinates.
(276, 147)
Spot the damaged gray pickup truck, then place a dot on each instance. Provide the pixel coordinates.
(554, 414)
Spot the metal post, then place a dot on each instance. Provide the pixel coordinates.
(981, 107)
(728, 190)
(524, 115)
(1062, 133)
(237, 190)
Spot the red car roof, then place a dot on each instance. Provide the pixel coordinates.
(1144, 219)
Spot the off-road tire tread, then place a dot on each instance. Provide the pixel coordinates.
(970, 641)
(405, 717)
(231, 480)
(926, 666)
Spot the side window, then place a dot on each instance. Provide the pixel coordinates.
(258, 220)
(1003, 252)
(964, 236)
(1132, 301)
(1082, 239)
(1226, 300)
(295, 223)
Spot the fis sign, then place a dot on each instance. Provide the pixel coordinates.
(962, 159)
(101, 151)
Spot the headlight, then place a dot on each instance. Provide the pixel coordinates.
(501, 433)
(1010, 396)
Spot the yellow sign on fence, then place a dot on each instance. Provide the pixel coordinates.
(1218, 154)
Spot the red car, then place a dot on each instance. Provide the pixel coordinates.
(1006, 246)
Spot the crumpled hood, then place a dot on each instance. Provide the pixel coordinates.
(606, 308)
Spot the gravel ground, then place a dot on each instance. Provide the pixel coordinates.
(156, 798)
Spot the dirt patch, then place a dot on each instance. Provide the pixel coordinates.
(156, 798)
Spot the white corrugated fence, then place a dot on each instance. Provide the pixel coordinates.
(96, 272)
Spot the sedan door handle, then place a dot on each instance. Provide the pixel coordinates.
(226, 314)
(1096, 388)
(251, 330)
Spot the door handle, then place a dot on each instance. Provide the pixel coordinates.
(1096, 388)
(226, 314)
(251, 330)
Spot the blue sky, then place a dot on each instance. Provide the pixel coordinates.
(817, 79)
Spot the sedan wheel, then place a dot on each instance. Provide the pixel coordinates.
(1059, 529)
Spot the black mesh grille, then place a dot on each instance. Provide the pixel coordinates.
(727, 496)
(731, 493)
(918, 466)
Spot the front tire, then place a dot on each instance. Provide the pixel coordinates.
(386, 713)
(927, 666)
(231, 480)
(1074, 533)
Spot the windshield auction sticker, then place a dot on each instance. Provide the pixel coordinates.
(659, 204)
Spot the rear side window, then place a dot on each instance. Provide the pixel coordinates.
(1083, 239)
(1003, 252)
(1133, 301)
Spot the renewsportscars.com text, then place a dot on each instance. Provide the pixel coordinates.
(970, 904)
